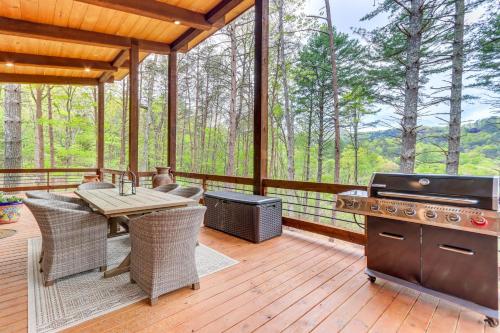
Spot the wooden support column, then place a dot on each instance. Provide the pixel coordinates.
(100, 126)
(172, 110)
(260, 126)
(133, 129)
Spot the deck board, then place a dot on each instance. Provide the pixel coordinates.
(292, 283)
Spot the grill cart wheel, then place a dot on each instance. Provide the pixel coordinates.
(372, 279)
(493, 322)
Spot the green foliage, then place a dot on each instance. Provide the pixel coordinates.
(487, 62)
(9, 199)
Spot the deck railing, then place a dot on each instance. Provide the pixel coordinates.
(18, 180)
(307, 206)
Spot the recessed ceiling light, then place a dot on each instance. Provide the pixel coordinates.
(9, 64)
(177, 22)
(87, 69)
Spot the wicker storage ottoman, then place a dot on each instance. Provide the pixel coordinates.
(251, 217)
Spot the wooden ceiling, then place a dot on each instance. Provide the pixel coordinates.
(87, 41)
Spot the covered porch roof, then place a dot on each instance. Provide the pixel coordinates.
(87, 41)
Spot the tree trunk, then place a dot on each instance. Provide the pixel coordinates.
(321, 139)
(186, 127)
(289, 121)
(39, 139)
(215, 145)
(453, 156)
(194, 138)
(356, 146)
(232, 104)
(123, 131)
(307, 166)
(410, 113)
(160, 147)
(51, 128)
(204, 119)
(68, 140)
(335, 87)
(12, 132)
(149, 111)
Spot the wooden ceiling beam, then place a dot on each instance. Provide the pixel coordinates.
(62, 34)
(181, 42)
(216, 17)
(219, 12)
(48, 79)
(157, 10)
(153, 47)
(55, 62)
(21, 28)
(119, 61)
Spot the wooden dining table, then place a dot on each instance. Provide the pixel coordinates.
(111, 204)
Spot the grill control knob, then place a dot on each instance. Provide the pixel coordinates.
(410, 211)
(430, 214)
(479, 220)
(391, 209)
(374, 207)
(454, 218)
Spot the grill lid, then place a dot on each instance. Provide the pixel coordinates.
(464, 191)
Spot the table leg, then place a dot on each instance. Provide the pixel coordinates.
(113, 227)
(120, 269)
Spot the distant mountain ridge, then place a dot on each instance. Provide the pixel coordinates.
(438, 134)
(479, 147)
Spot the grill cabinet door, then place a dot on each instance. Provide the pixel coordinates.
(393, 248)
(462, 264)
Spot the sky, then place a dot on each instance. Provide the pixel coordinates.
(346, 14)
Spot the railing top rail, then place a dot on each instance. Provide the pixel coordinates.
(45, 170)
(146, 173)
(38, 187)
(112, 171)
(216, 178)
(311, 186)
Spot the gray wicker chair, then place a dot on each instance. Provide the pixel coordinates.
(75, 203)
(95, 186)
(192, 192)
(163, 250)
(121, 220)
(166, 188)
(57, 197)
(74, 240)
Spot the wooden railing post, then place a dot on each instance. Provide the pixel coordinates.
(172, 111)
(100, 126)
(133, 133)
(261, 68)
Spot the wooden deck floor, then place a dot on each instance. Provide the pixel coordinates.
(290, 284)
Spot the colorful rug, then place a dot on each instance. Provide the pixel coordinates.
(87, 295)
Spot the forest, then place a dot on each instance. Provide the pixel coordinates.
(341, 105)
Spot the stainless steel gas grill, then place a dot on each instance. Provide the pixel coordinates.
(434, 233)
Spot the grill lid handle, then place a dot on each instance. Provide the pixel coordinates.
(450, 200)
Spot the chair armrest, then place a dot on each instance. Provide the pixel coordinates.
(64, 218)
